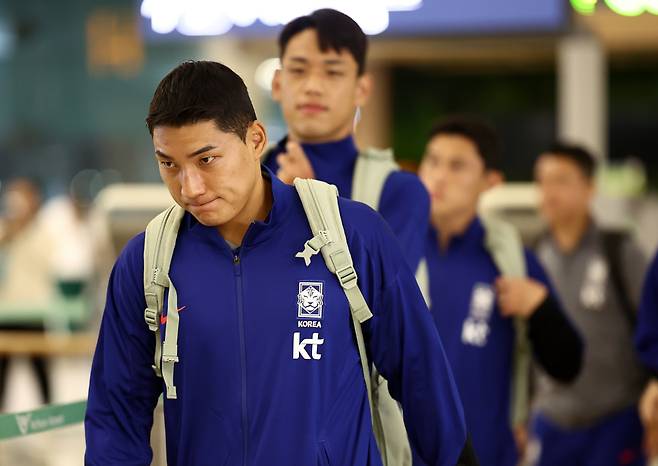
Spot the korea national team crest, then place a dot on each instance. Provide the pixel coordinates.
(310, 300)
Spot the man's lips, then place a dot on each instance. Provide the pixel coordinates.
(200, 205)
(312, 108)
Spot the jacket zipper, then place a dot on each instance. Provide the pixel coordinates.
(243, 355)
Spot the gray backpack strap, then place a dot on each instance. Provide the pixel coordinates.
(372, 169)
(159, 244)
(423, 280)
(320, 201)
(321, 206)
(503, 242)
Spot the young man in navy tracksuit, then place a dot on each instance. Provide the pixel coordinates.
(321, 86)
(646, 343)
(259, 381)
(471, 304)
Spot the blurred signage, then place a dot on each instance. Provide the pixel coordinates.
(208, 17)
(621, 7)
(251, 18)
(114, 44)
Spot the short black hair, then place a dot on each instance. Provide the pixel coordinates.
(335, 30)
(200, 91)
(480, 133)
(575, 153)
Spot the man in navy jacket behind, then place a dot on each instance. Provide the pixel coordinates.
(321, 87)
(257, 385)
(472, 304)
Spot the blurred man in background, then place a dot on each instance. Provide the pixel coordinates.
(473, 304)
(598, 275)
(25, 281)
(321, 87)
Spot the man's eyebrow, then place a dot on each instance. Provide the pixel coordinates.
(202, 150)
(334, 61)
(193, 154)
(300, 60)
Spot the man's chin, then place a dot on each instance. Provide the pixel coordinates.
(210, 220)
(312, 133)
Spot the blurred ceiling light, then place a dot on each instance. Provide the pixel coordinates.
(634, 8)
(404, 5)
(586, 7)
(265, 73)
(208, 17)
(203, 18)
(621, 7)
(164, 14)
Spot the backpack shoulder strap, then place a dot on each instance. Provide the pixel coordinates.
(320, 201)
(612, 241)
(503, 242)
(423, 280)
(373, 167)
(159, 243)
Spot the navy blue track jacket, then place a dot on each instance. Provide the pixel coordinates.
(269, 371)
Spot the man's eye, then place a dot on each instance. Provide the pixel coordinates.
(335, 73)
(207, 160)
(166, 164)
(296, 70)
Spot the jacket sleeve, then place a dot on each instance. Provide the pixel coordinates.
(556, 344)
(404, 344)
(123, 389)
(405, 205)
(646, 333)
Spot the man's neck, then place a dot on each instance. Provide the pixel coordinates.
(257, 208)
(449, 226)
(569, 232)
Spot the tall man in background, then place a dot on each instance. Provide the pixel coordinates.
(321, 86)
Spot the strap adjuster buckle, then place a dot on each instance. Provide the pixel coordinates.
(152, 318)
(347, 276)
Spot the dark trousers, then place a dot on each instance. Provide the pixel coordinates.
(38, 363)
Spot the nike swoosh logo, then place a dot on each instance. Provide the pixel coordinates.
(163, 319)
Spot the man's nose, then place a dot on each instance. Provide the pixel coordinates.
(192, 184)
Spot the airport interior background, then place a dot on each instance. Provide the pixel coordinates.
(76, 78)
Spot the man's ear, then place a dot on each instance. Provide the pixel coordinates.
(363, 89)
(257, 138)
(276, 86)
